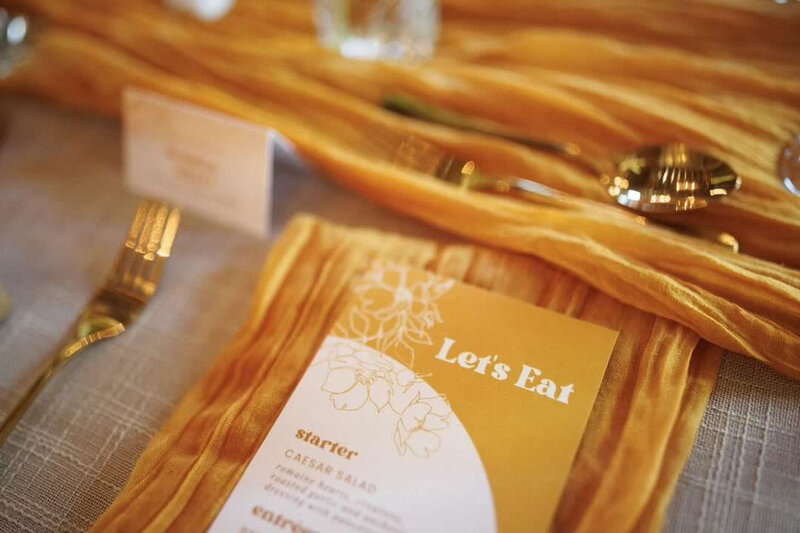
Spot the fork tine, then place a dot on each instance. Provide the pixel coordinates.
(154, 239)
(151, 273)
(147, 228)
(143, 280)
(138, 222)
(135, 279)
(141, 261)
(170, 230)
(126, 254)
(133, 267)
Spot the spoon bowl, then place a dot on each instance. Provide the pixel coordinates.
(668, 178)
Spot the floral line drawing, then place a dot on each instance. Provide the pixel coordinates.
(360, 376)
(392, 313)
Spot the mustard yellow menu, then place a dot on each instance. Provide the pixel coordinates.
(431, 406)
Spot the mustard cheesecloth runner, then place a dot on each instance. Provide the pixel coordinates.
(638, 436)
(607, 76)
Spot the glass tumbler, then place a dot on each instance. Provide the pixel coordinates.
(400, 30)
(789, 165)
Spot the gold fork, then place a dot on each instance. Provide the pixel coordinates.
(117, 304)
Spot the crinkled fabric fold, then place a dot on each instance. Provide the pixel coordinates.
(638, 436)
(608, 78)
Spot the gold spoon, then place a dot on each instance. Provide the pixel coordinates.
(665, 178)
(417, 154)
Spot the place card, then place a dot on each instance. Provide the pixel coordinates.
(204, 161)
(432, 405)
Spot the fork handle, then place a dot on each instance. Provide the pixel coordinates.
(30, 395)
(65, 354)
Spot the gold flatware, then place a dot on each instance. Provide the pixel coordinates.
(130, 286)
(417, 154)
(653, 179)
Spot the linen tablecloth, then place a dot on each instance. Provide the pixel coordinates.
(75, 448)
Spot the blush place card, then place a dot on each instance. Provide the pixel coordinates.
(431, 406)
(204, 161)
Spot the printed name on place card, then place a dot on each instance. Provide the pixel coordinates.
(204, 161)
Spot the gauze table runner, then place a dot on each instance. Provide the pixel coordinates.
(608, 76)
(638, 437)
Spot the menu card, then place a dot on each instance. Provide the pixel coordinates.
(432, 405)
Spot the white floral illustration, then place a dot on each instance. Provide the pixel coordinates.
(391, 313)
(361, 376)
(419, 425)
(355, 378)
